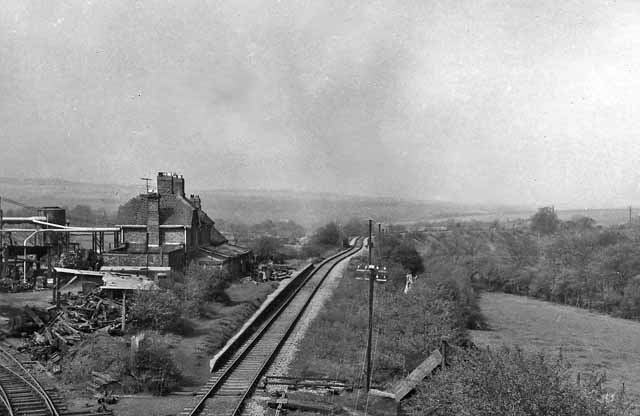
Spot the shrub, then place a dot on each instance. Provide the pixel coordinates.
(200, 286)
(511, 382)
(153, 368)
(545, 221)
(158, 309)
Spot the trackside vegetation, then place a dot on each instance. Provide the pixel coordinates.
(441, 306)
(511, 382)
(571, 262)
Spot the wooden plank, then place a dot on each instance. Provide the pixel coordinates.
(380, 393)
(34, 316)
(78, 272)
(403, 387)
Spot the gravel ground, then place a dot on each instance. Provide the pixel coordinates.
(280, 365)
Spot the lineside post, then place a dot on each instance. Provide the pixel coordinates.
(372, 277)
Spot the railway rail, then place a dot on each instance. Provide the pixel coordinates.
(231, 384)
(20, 392)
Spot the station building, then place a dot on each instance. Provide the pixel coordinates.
(165, 228)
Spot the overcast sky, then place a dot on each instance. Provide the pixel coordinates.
(519, 102)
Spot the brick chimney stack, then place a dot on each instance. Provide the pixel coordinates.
(165, 183)
(170, 183)
(178, 185)
(153, 219)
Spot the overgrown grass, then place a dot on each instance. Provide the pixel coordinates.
(407, 327)
(591, 342)
(512, 382)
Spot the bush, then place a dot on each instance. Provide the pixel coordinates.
(200, 286)
(545, 221)
(100, 352)
(511, 382)
(157, 309)
(153, 368)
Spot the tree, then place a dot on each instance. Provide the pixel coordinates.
(407, 255)
(545, 221)
(521, 248)
(630, 303)
(329, 235)
(581, 223)
(266, 248)
(355, 227)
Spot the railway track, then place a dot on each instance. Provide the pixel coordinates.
(230, 385)
(20, 392)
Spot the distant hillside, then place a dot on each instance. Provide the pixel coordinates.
(58, 192)
(248, 206)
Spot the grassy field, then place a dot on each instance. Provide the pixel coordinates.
(592, 342)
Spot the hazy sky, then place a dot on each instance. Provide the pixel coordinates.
(521, 102)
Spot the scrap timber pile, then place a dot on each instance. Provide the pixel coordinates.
(52, 332)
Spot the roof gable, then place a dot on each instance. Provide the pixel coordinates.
(173, 210)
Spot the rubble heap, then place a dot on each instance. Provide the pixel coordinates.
(76, 316)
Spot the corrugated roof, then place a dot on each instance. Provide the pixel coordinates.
(127, 282)
(226, 250)
(209, 258)
(220, 254)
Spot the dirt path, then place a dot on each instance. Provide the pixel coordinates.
(591, 341)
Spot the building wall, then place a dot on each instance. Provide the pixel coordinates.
(172, 235)
(204, 233)
(134, 235)
(175, 259)
(237, 267)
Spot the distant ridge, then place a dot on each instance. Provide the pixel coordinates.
(247, 205)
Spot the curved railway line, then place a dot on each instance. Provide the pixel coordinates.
(20, 392)
(230, 385)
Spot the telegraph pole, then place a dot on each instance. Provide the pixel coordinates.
(372, 278)
(380, 248)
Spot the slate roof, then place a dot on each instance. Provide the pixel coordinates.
(216, 238)
(173, 210)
